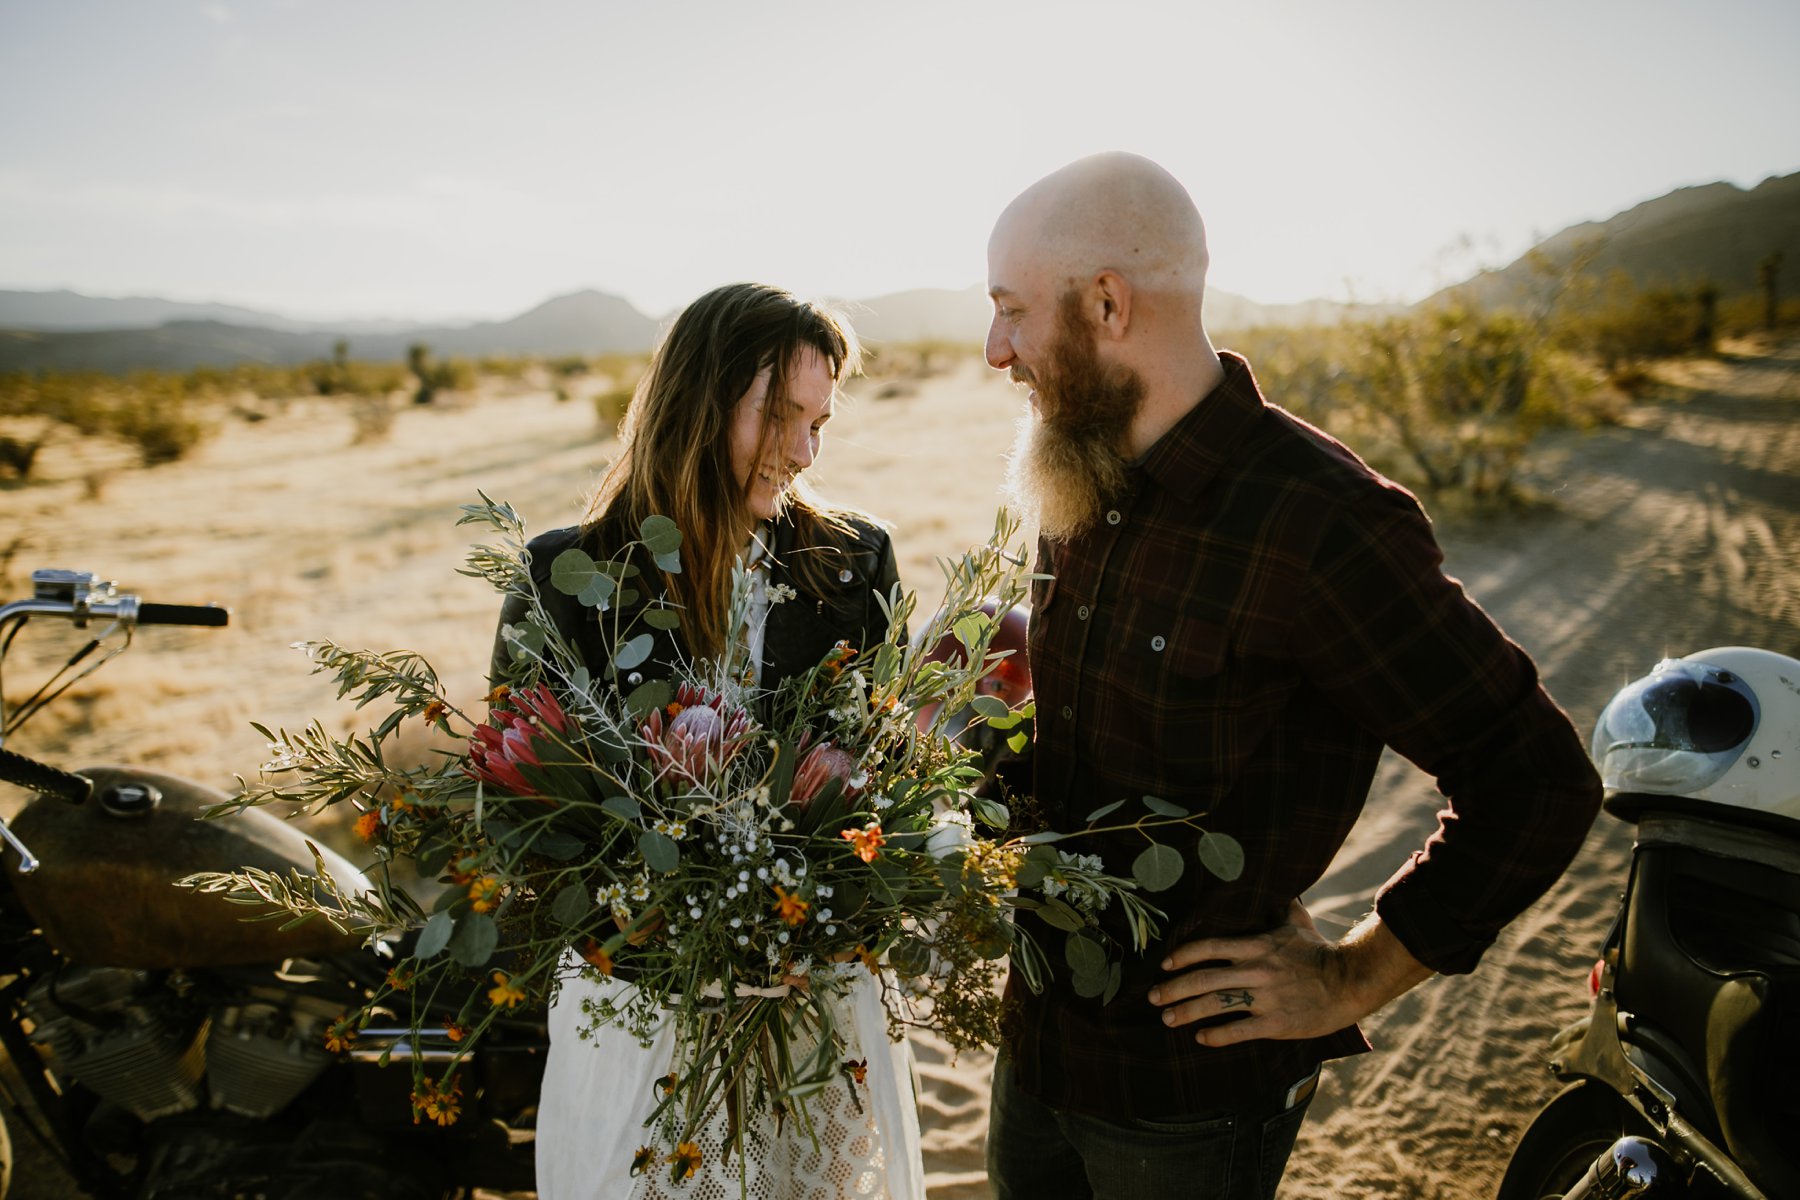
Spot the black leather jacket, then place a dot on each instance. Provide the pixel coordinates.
(799, 632)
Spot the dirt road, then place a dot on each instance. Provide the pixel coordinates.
(1674, 531)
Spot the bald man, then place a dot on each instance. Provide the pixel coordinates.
(1240, 615)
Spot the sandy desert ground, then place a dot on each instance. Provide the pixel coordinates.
(1672, 531)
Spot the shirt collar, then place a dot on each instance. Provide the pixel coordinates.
(1186, 458)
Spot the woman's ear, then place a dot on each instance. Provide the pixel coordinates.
(1109, 304)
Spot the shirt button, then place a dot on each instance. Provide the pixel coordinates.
(1157, 643)
(1081, 614)
(846, 575)
(1113, 517)
(1068, 713)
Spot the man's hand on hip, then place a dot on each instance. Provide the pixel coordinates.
(1291, 981)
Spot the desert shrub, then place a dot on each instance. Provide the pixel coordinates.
(1446, 401)
(18, 454)
(610, 406)
(568, 366)
(434, 375)
(372, 419)
(155, 412)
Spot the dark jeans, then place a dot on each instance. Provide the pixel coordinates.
(1035, 1152)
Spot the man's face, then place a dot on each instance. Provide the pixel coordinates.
(1023, 332)
(1069, 459)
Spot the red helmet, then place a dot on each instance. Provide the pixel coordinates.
(1010, 680)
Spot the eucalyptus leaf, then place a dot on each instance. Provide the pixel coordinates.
(557, 845)
(1222, 854)
(1104, 810)
(1089, 986)
(990, 707)
(1042, 837)
(435, 936)
(660, 852)
(655, 693)
(909, 956)
(1018, 741)
(1158, 867)
(670, 562)
(1115, 974)
(662, 618)
(634, 652)
(474, 940)
(623, 807)
(571, 905)
(659, 534)
(1085, 956)
(1061, 915)
(969, 630)
(524, 639)
(1157, 804)
(1030, 874)
(574, 573)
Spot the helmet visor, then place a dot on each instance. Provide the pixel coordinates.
(1675, 731)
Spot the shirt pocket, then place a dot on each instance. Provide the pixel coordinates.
(1168, 658)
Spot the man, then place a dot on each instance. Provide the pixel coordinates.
(1241, 614)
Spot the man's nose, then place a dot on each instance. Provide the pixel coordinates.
(999, 347)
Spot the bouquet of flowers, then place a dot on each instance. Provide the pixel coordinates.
(709, 841)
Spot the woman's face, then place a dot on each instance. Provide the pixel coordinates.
(794, 432)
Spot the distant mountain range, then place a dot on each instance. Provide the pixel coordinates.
(1717, 233)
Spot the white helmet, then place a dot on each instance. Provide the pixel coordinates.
(1721, 725)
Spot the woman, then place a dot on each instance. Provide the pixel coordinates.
(729, 414)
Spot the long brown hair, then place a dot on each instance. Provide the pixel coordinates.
(675, 454)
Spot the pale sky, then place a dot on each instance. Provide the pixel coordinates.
(447, 158)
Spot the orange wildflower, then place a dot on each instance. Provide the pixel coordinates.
(858, 1068)
(867, 958)
(505, 993)
(435, 711)
(665, 1084)
(596, 956)
(684, 1162)
(643, 1159)
(673, 709)
(399, 978)
(789, 907)
(455, 1032)
(440, 1104)
(368, 826)
(485, 892)
(338, 1035)
(867, 841)
(498, 694)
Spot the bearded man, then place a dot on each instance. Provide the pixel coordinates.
(1240, 615)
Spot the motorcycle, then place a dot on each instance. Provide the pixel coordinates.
(160, 1045)
(1682, 1079)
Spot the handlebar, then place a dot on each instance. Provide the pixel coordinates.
(81, 596)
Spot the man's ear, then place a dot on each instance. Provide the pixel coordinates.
(1109, 304)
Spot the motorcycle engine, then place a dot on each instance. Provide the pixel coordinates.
(122, 1035)
(133, 1038)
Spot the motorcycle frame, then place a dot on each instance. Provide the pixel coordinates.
(1629, 1056)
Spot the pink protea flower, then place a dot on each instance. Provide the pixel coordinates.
(498, 749)
(819, 766)
(702, 735)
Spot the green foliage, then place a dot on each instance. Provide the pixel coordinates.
(1447, 401)
(434, 376)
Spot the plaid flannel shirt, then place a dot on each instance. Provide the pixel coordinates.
(1241, 634)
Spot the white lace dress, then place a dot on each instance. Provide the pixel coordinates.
(599, 1090)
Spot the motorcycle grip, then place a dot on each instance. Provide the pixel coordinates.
(42, 777)
(182, 614)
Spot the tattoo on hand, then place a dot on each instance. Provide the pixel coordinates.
(1239, 999)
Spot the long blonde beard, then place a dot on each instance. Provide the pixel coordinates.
(1063, 481)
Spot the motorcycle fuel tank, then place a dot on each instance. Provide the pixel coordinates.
(105, 892)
